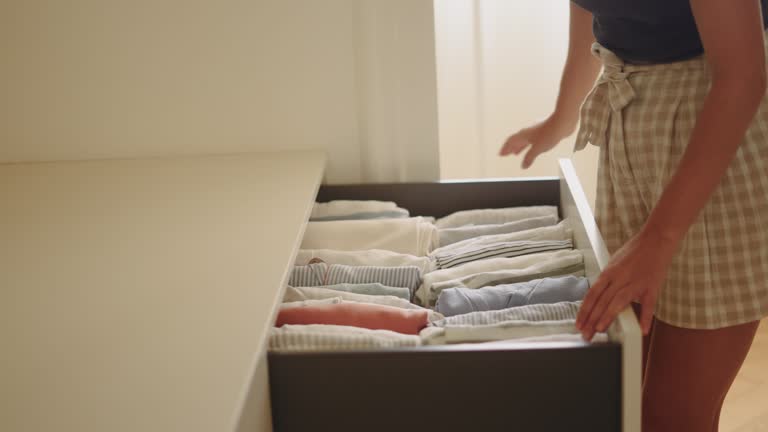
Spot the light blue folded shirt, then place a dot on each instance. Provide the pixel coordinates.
(457, 301)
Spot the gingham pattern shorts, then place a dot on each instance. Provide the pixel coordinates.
(642, 116)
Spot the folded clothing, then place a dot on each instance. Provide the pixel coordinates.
(321, 274)
(297, 294)
(373, 257)
(305, 303)
(449, 236)
(534, 312)
(398, 213)
(413, 236)
(497, 271)
(342, 208)
(501, 331)
(556, 338)
(457, 301)
(305, 338)
(374, 289)
(370, 316)
(494, 216)
(561, 231)
(474, 252)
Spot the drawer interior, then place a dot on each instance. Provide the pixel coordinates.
(555, 386)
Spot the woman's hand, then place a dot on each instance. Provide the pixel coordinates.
(636, 273)
(538, 139)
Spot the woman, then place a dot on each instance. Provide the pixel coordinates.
(681, 117)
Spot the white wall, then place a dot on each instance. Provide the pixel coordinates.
(499, 65)
(115, 78)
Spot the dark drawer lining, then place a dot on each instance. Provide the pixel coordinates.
(442, 198)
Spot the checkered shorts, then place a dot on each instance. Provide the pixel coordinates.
(642, 116)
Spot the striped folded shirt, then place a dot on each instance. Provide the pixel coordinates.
(319, 274)
(511, 249)
(534, 312)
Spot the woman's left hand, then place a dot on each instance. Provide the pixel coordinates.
(636, 273)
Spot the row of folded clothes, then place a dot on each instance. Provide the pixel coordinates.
(340, 324)
(370, 276)
(472, 263)
(338, 317)
(352, 226)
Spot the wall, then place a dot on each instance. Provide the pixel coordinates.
(88, 79)
(499, 65)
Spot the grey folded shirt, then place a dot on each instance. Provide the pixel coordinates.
(322, 274)
(457, 301)
(453, 235)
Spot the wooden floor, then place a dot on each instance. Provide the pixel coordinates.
(746, 407)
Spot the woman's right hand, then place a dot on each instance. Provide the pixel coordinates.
(539, 138)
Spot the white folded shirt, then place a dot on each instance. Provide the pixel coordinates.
(347, 207)
(507, 330)
(494, 216)
(413, 236)
(372, 257)
(453, 235)
(561, 231)
(305, 303)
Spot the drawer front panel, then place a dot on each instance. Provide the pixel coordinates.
(558, 389)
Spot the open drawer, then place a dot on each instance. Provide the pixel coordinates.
(528, 387)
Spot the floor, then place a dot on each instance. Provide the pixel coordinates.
(746, 407)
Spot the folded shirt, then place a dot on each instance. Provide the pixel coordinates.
(304, 303)
(317, 337)
(561, 231)
(494, 216)
(374, 289)
(370, 316)
(321, 274)
(373, 257)
(476, 252)
(413, 236)
(556, 338)
(457, 301)
(299, 294)
(534, 312)
(495, 332)
(449, 236)
(497, 271)
(341, 208)
(398, 213)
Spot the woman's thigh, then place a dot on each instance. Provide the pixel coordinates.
(689, 373)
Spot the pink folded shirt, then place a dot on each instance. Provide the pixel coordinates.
(370, 316)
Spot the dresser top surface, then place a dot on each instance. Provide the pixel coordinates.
(137, 294)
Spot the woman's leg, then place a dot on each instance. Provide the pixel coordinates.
(689, 372)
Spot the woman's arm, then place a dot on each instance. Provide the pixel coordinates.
(580, 71)
(732, 34)
(579, 74)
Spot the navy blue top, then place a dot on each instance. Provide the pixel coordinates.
(648, 31)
